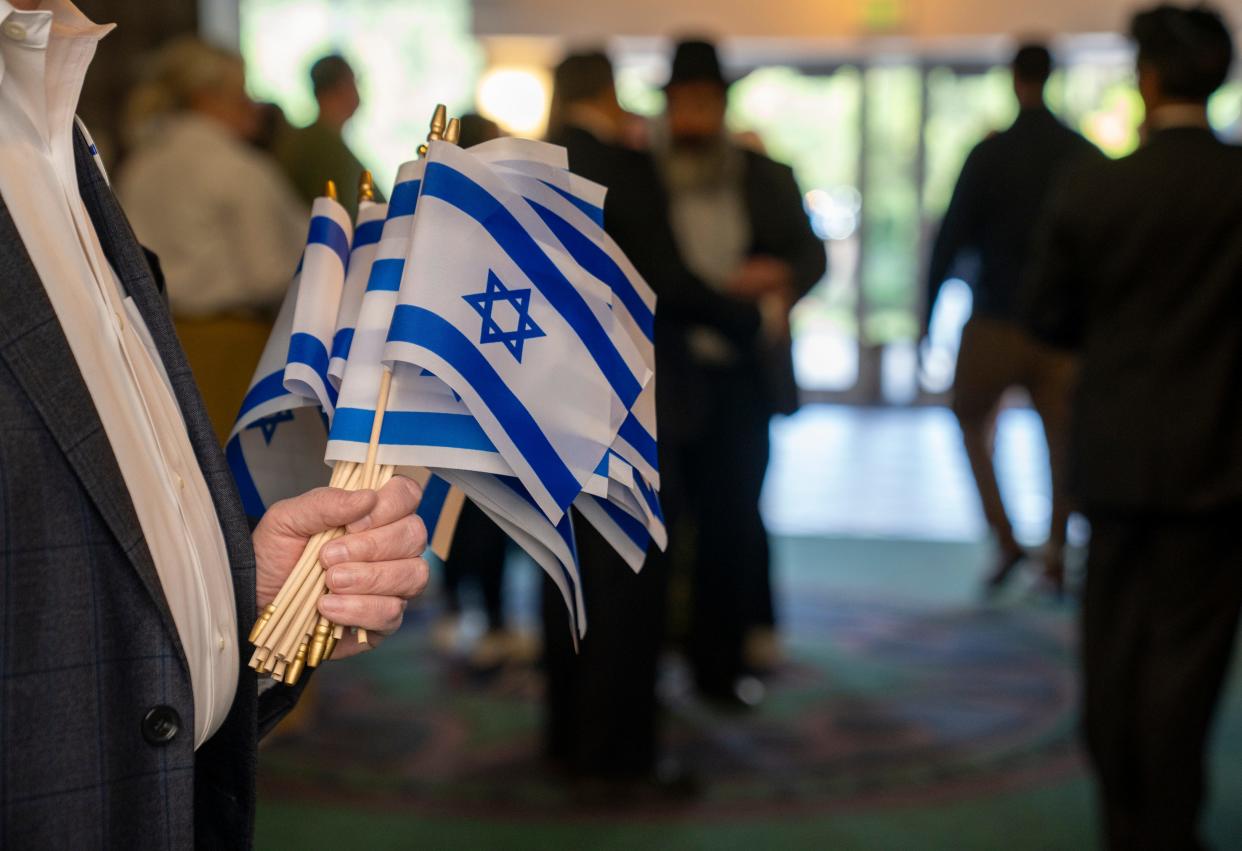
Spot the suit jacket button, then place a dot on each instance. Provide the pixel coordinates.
(160, 725)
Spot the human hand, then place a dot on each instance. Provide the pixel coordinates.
(762, 276)
(774, 313)
(372, 571)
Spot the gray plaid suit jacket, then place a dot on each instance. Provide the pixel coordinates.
(92, 675)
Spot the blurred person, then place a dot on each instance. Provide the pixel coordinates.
(131, 574)
(270, 126)
(1139, 269)
(318, 152)
(602, 711)
(992, 214)
(740, 224)
(231, 241)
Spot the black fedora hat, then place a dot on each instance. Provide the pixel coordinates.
(696, 61)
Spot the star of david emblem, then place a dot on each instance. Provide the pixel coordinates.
(268, 424)
(516, 316)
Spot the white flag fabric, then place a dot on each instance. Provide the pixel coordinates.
(321, 277)
(493, 306)
(367, 230)
(275, 444)
(363, 372)
(572, 208)
(514, 510)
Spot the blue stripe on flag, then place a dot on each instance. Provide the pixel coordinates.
(324, 231)
(650, 497)
(596, 214)
(307, 349)
(252, 503)
(633, 529)
(432, 504)
(342, 342)
(266, 390)
(368, 233)
(453, 187)
(404, 199)
(595, 260)
(421, 327)
(633, 433)
(412, 428)
(386, 275)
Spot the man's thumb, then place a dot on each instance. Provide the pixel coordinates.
(327, 508)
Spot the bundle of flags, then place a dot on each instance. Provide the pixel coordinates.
(480, 333)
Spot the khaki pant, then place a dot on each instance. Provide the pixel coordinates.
(994, 356)
(223, 353)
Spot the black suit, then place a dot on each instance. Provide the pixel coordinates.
(602, 712)
(727, 460)
(1140, 269)
(90, 660)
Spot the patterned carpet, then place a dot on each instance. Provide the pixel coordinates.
(910, 714)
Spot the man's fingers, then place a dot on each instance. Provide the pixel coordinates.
(403, 578)
(397, 499)
(320, 509)
(404, 538)
(379, 614)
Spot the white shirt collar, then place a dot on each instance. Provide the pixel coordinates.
(53, 18)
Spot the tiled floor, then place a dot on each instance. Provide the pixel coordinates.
(900, 473)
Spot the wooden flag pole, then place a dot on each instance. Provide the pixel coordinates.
(284, 622)
(449, 131)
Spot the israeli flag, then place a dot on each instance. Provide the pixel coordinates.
(274, 447)
(572, 210)
(427, 424)
(629, 516)
(491, 305)
(363, 373)
(367, 231)
(321, 282)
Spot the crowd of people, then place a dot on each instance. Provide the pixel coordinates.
(1111, 291)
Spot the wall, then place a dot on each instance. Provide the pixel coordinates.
(823, 19)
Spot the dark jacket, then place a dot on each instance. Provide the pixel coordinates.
(90, 662)
(636, 216)
(781, 228)
(1139, 267)
(996, 205)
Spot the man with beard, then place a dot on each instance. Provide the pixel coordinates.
(740, 225)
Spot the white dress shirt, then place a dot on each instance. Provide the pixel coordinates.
(44, 55)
